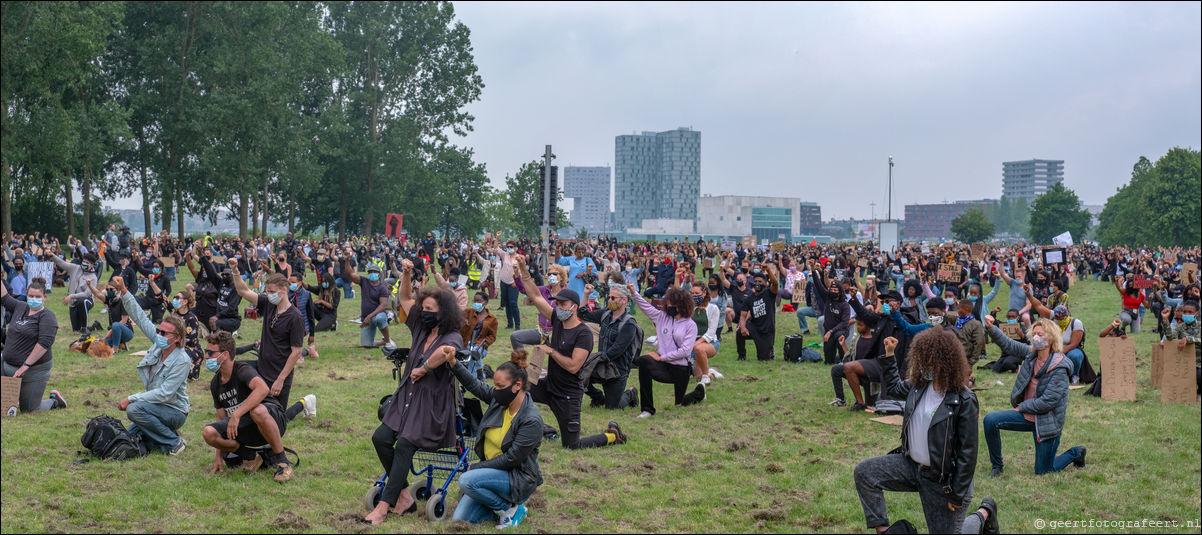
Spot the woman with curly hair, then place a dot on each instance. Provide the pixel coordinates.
(675, 334)
(938, 453)
(557, 279)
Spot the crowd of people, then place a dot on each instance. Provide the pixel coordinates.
(904, 329)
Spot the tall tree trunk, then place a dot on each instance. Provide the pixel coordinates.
(165, 206)
(291, 211)
(86, 190)
(179, 211)
(6, 203)
(145, 195)
(254, 218)
(342, 209)
(70, 207)
(242, 215)
(265, 218)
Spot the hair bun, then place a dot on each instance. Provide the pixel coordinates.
(519, 357)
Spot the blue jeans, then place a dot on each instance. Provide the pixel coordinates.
(367, 335)
(804, 312)
(170, 273)
(348, 289)
(509, 298)
(485, 492)
(121, 334)
(157, 424)
(1077, 356)
(1046, 459)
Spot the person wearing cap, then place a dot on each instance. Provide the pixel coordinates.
(571, 342)
(373, 309)
(1072, 333)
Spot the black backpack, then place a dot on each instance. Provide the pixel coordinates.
(107, 439)
(794, 347)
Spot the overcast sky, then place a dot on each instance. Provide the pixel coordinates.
(809, 100)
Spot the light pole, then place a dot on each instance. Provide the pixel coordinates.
(874, 223)
(890, 189)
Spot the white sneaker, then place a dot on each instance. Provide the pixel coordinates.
(104, 310)
(705, 380)
(310, 404)
(389, 347)
(716, 374)
(644, 414)
(357, 321)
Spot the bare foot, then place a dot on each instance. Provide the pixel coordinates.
(403, 502)
(378, 514)
(313, 351)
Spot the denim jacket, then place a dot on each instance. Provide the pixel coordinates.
(169, 386)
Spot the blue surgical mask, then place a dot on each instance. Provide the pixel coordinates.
(155, 271)
(553, 279)
(373, 277)
(477, 306)
(34, 302)
(453, 284)
(1039, 343)
(292, 287)
(885, 308)
(325, 285)
(972, 298)
(160, 341)
(1187, 318)
(1012, 321)
(273, 299)
(175, 302)
(212, 365)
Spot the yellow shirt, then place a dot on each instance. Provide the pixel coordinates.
(494, 436)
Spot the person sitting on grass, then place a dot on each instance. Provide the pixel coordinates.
(507, 473)
(1039, 398)
(1007, 362)
(159, 412)
(675, 334)
(938, 456)
(238, 391)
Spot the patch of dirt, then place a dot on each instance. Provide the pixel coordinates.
(325, 424)
(536, 501)
(765, 399)
(774, 468)
(90, 403)
(291, 521)
(736, 445)
(348, 523)
(747, 378)
(714, 466)
(336, 377)
(776, 511)
(459, 526)
(583, 466)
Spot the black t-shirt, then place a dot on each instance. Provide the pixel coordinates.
(371, 296)
(116, 310)
(560, 382)
(233, 393)
(763, 312)
(27, 331)
(281, 333)
(739, 298)
(228, 300)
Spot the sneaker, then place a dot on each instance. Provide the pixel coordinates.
(857, 407)
(178, 447)
(352, 295)
(283, 471)
(705, 380)
(389, 347)
(1079, 462)
(700, 389)
(634, 397)
(716, 374)
(991, 524)
(996, 472)
(252, 465)
(615, 429)
(512, 517)
(60, 403)
(1076, 379)
(104, 310)
(357, 321)
(837, 402)
(644, 414)
(310, 404)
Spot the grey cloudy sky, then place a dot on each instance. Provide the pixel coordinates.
(808, 100)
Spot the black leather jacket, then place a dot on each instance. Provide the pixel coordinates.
(952, 437)
(519, 448)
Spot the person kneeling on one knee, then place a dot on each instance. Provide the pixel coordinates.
(496, 487)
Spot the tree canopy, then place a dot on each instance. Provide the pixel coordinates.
(1055, 212)
(972, 226)
(1161, 206)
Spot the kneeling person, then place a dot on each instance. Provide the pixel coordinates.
(238, 391)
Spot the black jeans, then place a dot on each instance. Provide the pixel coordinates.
(396, 456)
(79, 313)
(325, 319)
(229, 325)
(651, 371)
(616, 395)
(832, 351)
(567, 415)
(763, 345)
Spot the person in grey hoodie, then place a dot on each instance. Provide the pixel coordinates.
(1039, 397)
(79, 296)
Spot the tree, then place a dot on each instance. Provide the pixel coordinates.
(521, 198)
(1009, 215)
(1160, 206)
(972, 226)
(1055, 212)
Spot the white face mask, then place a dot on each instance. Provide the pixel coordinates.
(553, 279)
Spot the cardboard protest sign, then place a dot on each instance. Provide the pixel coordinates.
(895, 419)
(1142, 283)
(1178, 379)
(949, 273)
(168, 261)
(749, 242)
(863, 262)
(799, 291)
(778, 246)
(977, 251)
(728, 245)
(536, 364)
(10, 395)
(1157, 364)
(708, 263)
(1053, 256)
(1118, 367)
(1012, 330)
(44, 270)
(1189, 274)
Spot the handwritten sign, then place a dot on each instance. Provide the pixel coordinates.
(1142, 283)
(949, 273)
(1012, 330)
(536, 364)
(1053, 256)
(44, 270)
(1189, 274)
(1157, 364)
(1178, 379)
(749, 242)
(863, 262)
(728, 245)
(778, 246)
(1118, 368)
(977, 251)
(168, 261)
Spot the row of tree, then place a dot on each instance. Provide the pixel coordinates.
(323, 115)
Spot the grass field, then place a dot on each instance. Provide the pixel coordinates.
(765, 453)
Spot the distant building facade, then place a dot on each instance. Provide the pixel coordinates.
(809, 218)
(934, 221)
(766, 218)
(657, 175)
(1028, 179)
(588, 187)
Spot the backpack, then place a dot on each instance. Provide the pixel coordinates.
(604, 370)
(107, 439)
(810, 354)
(794, 347)
(902, 526)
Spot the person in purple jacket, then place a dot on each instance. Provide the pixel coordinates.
(675, 333)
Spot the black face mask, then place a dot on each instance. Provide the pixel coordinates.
(713, 287)
(759, 287)
(504, 396)
(429, 319)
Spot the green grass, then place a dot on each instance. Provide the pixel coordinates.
(764, 453)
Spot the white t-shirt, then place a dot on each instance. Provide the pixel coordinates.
(920, 424)
(1067, 335)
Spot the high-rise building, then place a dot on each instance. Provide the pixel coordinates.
(657, 175)
(810, 218)
(766, 218)
(1029, 179)
(588, 187)
(934, 221)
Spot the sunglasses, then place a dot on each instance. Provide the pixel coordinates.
(209, 353)
(164, 333)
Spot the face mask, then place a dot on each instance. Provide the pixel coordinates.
(325, 285)
(907, 272)
(373, 277)
(273, 299)
(1011, 321)
(34, 302)
(1187, 318)
(429, 319)
(477, 306)
(1064, 322)
(594, 296)
(212, 365)
(87, 267)
(698, 299)
(492, 257)
(972, 298)
(670, 310)
(155, 271)
(713, 287)
(453, 284)
(227, 278)
(292, 287)
(509, 250)
(1018, 281)
(160, 341)
(175, 303)
(504, 396)
(935, 320)
(928, 376)
(1039, 343)
(553, 279)
(885, 308)
(950, 301)
(614, 304)
(564, 314)
(759, 287)
(321, 258)
(111, 294)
